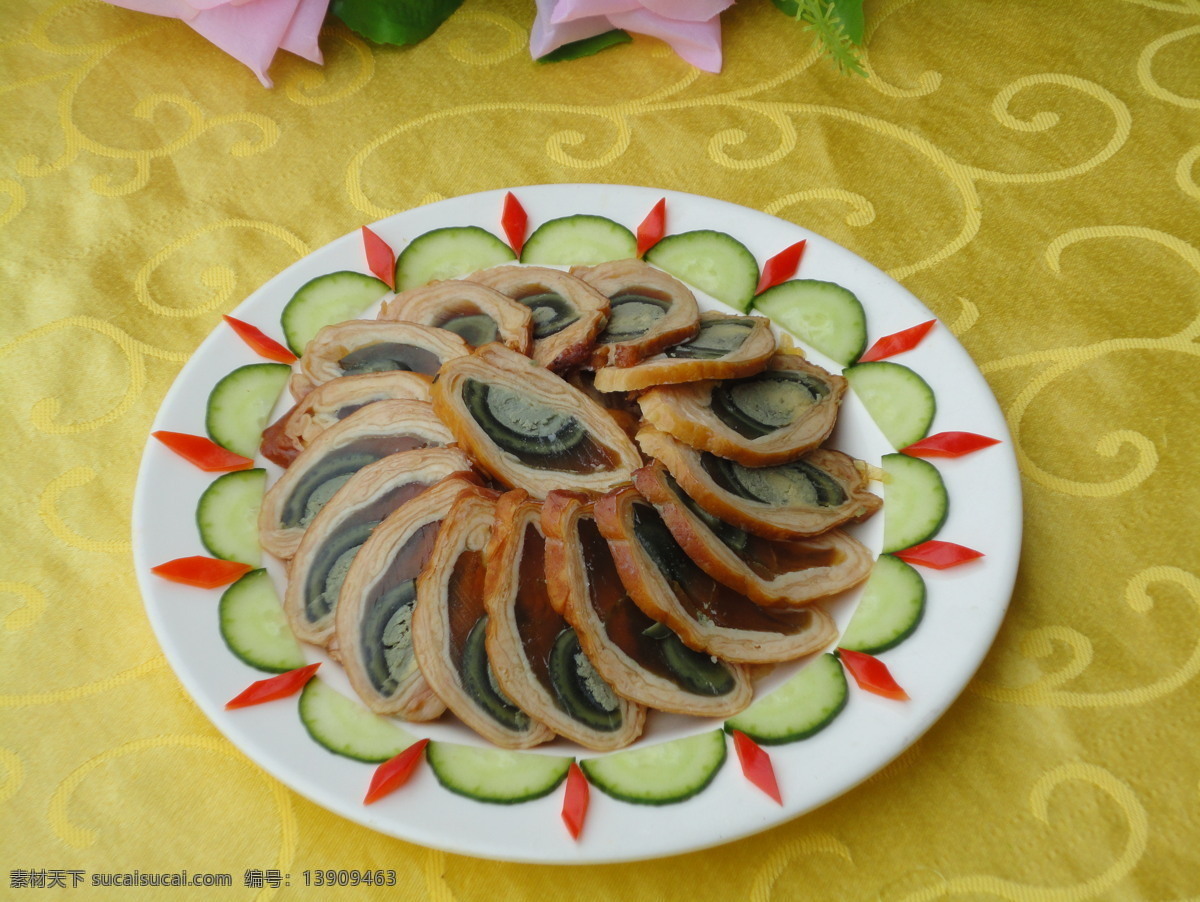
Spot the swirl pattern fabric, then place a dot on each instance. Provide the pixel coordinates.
(1031, 172)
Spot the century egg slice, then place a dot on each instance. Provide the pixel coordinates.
(476, 313)
(449, 628)
(535, 653)
(528, 427)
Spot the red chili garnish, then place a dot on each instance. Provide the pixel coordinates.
(203, 452)
(394, 772)
(938, 555)
(897, 342)
(871, 674)
(381, 259)
(276, 687)
(202, 572)
(514, 221)
(756, 765)
(949, 444)
(652, 228)
(575, 801)
(259, 342)
(781, 267)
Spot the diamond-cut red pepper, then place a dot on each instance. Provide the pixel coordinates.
(897, 342)
(756, 765)
(276, 687)
(394, 772)
(381, 259)
(938, 555)
(202, 572)
(652, 228)
(949, 444)
(575, 800)
(259, 342)
(203, 452)
(514, 221)
(781, 267)
(871, 674)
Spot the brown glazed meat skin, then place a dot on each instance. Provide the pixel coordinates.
(438, 303)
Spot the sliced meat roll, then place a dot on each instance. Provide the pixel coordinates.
(360, 346)
(336, 534)
(726, 347)
(528, 428)
(767, 572)
(805, 497)
(708, 616)
(769, 418)
(651, 311)
(449, 628)
(474, 312)
(373, 620)
(642, 659)
(332, 402)
(379, 429)
(535, 654)
(568, 313)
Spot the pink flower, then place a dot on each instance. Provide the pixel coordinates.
(691, 27)
(248, 30)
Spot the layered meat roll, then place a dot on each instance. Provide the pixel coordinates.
(373, 619)
(380, 429)
(708, 616)
(807, 496)
(336, 534)
(476, 313)
(529, 428)
(449, 628)
(765, 571)
(726, 347)
(568, 313)
(535, 653)
(770, 418)
(641, 658)
(332, 402)
(360, 346)
(651, 311)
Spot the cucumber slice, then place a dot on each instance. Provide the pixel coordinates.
(659, 774)
(801, 707)
(495, 775)
(328, 299)
(899, 401)
(254, 626)
(227, 516)
(449, 252)
(716, 263)
(822, 314)
(347, 728)
(579, 241)
(239, 405)
(891, 606)
(915, 502)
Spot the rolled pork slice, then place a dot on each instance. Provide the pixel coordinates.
(476, 313)
(371, 434)
(706, 615)
(373, 618)
(331, 403)
(641, 658)
(535, 653)
(337, 534)
(449, 628)
(805, 497)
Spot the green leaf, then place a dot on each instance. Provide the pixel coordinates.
(851, 14)
(394, 21)
(837, 26)
(586, 47)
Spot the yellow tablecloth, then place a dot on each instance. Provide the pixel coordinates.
(1030, 170)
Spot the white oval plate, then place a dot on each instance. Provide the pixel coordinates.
(964, 608)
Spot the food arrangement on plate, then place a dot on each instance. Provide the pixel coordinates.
(536, 486)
